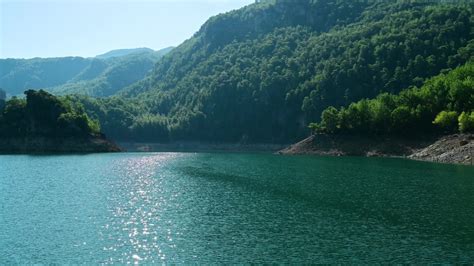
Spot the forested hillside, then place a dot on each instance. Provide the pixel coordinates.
(264, 72)
(44, 123)
(101, 76)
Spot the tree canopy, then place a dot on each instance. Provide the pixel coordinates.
(444, 104)
(44, 115)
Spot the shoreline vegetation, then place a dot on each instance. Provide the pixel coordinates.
(405, 124)
(43, 123)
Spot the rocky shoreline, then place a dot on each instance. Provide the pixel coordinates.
(453, 149)
(43, 145)
(458, 149)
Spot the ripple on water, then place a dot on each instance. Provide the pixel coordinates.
(137, 198)
(233, 208)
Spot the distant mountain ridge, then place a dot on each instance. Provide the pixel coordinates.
(123, 52)
(103, 75)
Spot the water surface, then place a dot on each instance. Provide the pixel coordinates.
(233, 208)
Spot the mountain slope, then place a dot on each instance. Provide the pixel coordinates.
(92, 76)
(17, 75)
(114, 74)
(262, 73)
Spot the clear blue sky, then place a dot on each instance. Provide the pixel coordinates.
(54, 28)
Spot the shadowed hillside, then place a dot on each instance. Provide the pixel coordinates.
(264, 72)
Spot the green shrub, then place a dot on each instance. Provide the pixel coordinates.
(447, 120)
(466, 122)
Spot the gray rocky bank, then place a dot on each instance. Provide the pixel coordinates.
(452, 149)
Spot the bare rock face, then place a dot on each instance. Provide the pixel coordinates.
(458, 148)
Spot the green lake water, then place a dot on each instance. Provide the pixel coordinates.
(233, 208)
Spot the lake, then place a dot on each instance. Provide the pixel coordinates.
(233, 208)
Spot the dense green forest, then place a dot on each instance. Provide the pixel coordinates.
(444, 104)
(41, 114)
(103, 75)
(264, 72)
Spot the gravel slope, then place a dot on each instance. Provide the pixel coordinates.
(457, 149)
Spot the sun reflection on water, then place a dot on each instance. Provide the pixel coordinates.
(135, 231)
(233, 209)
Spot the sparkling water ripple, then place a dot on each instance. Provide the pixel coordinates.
(222, 208)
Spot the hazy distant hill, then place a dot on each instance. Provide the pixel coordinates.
(124, 52)
(105, 77)
(18, 75)
(100, 76)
